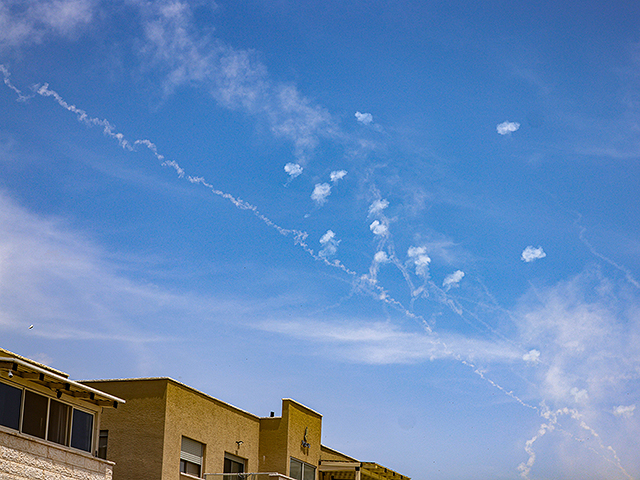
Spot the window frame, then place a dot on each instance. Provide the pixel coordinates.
(68, 423)
(303, 464)
(187, 457)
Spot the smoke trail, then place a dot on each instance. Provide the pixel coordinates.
(553, 424)
(581, 235)
(7, 82)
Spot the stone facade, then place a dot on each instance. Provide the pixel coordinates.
(26, 458)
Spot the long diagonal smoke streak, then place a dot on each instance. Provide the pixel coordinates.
(362, 283)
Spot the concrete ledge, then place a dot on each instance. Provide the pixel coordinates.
(26, 458)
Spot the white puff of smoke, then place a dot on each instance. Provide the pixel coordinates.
(320, 193)
(421, 260)
(505, 128)
(381, 257)
(531, 253)
(364, 118)
(378, 206)
(338, 175)
(531, 356)
(293, 169)
(329, 243)
(580, 396)
(378, 228)
(453, 279)
(624, 410)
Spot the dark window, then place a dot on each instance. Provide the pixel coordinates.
(10, 399)
(82, 427)
(189, 467)
(59, 423)
(233, 464)
(34, 421)
(301, 471)
(103, 439)
(191, 454)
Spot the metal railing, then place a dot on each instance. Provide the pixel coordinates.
(248, 476)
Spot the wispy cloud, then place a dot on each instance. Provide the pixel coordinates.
(67, 287)
(506, 128)
(384, 343)
(236, 78)
(532, 253)
(320, 193)
(26, 22)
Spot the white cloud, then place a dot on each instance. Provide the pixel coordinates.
(506, 128)
(237, 79)
(67, 287)
(338, 175)
(531, 356)
(23, 23)
(384, 343)
(381, 257)
(531, 253)
(364, 118)
(378, 206)
(589, 328)
(419, 257)
(624, 410)
(320, 193)
(378, 228)
(453, 279)
(329, 244)
(293, 169)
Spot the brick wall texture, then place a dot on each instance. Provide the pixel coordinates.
(26, 459)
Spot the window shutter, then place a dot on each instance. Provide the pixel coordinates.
(191, 451)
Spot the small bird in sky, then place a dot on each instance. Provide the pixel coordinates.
(30, 327)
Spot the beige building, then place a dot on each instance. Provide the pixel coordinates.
(170, 431)
(49, 424)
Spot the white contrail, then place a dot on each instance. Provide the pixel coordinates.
(581, 235)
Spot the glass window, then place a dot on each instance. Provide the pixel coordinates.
(81, 430)
(10, 400)
(102, 444)
(309, 472)
(301, 471)
(34, 421)
(59, 422)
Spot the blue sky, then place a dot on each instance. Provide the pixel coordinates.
(418, 218)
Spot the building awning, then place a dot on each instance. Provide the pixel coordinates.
(57, 383)
(358, 471)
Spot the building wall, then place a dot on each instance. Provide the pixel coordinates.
(301, 419)
(273, 445)
(211, 422)
(136, 429)
(26, 458)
